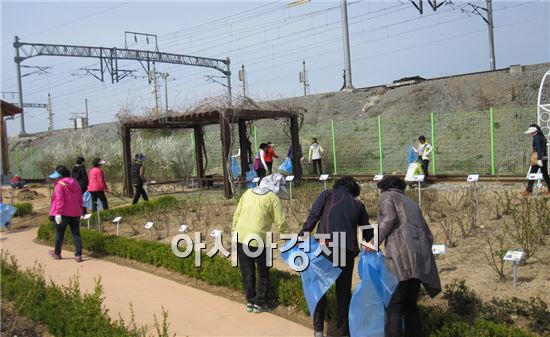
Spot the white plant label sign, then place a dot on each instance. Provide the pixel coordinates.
(87, 216)
(255, 180)
(182, 228)
(513, 256)
(534, 176)
(117, 219)
(216, 233)
(149, 225)
(419, 177)
(378, 177)
(473, 178)
(439, 249)
(289, 178)
(323, 177)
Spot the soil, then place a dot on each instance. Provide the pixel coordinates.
(465, 260)
(13, 324)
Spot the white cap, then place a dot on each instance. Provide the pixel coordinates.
(531, 129)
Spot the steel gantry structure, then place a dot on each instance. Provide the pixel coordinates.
(108, 58)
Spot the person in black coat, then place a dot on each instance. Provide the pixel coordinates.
(541, 149)
(79, 174)
(339, 211)
(137, 178)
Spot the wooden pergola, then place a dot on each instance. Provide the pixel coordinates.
(6, 110)
(197, 121)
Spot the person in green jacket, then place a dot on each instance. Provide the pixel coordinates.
(258, 209)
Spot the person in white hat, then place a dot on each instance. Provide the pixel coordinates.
(258, 209)
(539, 158)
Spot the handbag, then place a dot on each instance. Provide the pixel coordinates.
(534, 158)
(257, 164)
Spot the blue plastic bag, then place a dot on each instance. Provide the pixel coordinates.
(87, 199)
(251, 174)
(235, 170)
(6, 213)
(318, 277)
(371, 296)
(411, 156)
(286, 166)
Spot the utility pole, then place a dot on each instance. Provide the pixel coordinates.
(303, 77)
(492, 60)
(86, 105)
(153, 78)
(347, 57)
(165, 77)
(19, 84)
(228, 74)
(50, 114)
(242, 78)
(488, 18)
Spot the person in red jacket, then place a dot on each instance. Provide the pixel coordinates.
(269, 155)
(97, 185)
(65, 210)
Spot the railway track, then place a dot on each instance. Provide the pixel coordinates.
(440, 178)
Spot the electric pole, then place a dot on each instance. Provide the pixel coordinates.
(19, 84)
(86, 105)
(153, 78)
(228, 74)
(488, 18)
(165, 77)
(50, 114)
(242, 78)
(303, 77)
(491, 27)
(347, 57)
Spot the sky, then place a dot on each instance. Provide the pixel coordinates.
(388, 40)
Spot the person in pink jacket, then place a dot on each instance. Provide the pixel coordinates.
(97, 185)
(65, 210)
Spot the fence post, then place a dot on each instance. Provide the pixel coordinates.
(380, 145)
(333, 147)
(255, 139)
(194, 154)
(17, 162)
(432, 122)
(491, 121)
(32, 164)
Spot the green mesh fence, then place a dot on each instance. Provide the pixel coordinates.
(462, 143)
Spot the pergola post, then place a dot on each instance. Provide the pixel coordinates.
(199, 162)
(225, 132)
(294, 133)
(244, 145)
(127, 157)
(4, 148)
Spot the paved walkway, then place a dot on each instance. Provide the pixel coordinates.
(192, 312)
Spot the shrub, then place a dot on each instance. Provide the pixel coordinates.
(524, 229)
(160, 203)
(495, 257)
(462, 301)
(23, 208)
(63, 309)
(481, 328)
(285, 288)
